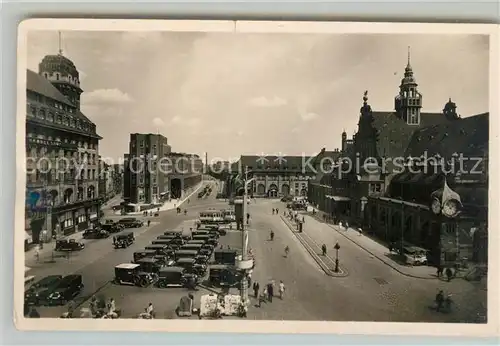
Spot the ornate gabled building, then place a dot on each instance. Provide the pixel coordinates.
(275, 176)
(62, 150)
(440, 199)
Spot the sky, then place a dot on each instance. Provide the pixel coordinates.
(232, 94)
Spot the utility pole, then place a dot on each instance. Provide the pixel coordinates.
(244, 238)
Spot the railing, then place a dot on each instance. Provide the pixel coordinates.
(50, 143)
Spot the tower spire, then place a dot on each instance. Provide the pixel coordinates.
(409, 55)
(60, 47)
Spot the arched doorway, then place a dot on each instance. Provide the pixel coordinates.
(261, 189)
(273, 191)
(91, 192)
(285, 190)
(68, 194)
(175, 188)
(303, 192)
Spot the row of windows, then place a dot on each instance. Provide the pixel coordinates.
(293, 177)
(58, 118)
(79, 144)
(42, 172)
(59, 77)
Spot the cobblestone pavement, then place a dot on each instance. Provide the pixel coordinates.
(372, 291)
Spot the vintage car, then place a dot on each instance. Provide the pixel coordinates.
(123, 240)
(194, 247)
(160, 249)
(138, 255)
(165, 242)
(191, 266)
(185, 254)
(132, 274)
(130, 222)
(112, 227)
(223, 256)
(202, 259)
(69, 245)
(178, 241)
(222, 275)
(38, 292)
(198, 232)
(204, 251)
(204, 237)
(95, 233)
(214, 234)
(173, 233)
(174, 276)
(169, 237)
(194, 241)
(150, 264)
(68, 288)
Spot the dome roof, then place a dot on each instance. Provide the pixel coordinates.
(58, 63)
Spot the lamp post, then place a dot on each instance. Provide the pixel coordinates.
(244, 238)
(337, 247)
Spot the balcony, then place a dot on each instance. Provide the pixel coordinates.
(31, 141)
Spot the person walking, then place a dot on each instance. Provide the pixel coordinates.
(323, 249)
(281, 289)
(273, 211)
(449, 274)
(439, 271)
(149, 222)
(277, 211)
(270, 291)
(256, 288)
(439, 300)
(263, 296)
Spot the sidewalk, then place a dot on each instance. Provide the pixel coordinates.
(377, 250)
(174, 203)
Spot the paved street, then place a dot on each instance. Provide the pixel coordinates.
(372, 290)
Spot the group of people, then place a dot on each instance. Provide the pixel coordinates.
(267, 293)
(276, 211)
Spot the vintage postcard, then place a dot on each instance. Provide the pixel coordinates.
(280, 177)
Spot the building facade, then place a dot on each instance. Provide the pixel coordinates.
(275, 176)
(107, 188)
(62, 150)
(153, 173)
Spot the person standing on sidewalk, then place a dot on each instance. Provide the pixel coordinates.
(281, 289)
(449, 274)
(256, 288)
(270, 291)
(323, 249)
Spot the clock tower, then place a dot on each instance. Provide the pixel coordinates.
(408, 102)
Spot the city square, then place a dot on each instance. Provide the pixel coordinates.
(340, 234)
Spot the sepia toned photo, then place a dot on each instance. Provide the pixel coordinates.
(226, 176)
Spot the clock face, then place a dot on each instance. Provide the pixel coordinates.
(436, 206)
(450, 208)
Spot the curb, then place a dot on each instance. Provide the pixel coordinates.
(314, 255)
(378, 257)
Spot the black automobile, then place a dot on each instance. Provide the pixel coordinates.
(185, 254)
(112, 227)
(161, 249)
(69, 245)
(132, 274)
(131, 222)
(194, 247)
(142, 254)
(38, 293)
(150, 264)
(206, 251)
(194, 241)
(174, 276)
(68, 288)
(224, 256)
(165, 242)
(204, 237)
(123, 240)
(95, 233)
(191, 266)
(222, 275)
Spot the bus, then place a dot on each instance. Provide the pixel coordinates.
(211, 217)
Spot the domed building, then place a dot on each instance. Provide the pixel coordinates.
(62, 150)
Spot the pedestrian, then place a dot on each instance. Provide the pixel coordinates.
(273, 211)
(277, 211)
(256, 288)
(149, 222)
(303, 219)
(150, 310)
(360, 231)
(323, 249)
(228, 247)
(263, 296)
(439, 271)
(281, 289)
(449, 273)
(439, 300)
(270, 291)
(249, 279)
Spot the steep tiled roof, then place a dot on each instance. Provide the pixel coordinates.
(394, 134)
(467, 135)
(40, 85)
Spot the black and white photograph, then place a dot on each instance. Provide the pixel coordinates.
(218, 173)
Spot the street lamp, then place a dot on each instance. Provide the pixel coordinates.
(337, 247)
(244, 256)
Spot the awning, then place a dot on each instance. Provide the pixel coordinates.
(338, 198)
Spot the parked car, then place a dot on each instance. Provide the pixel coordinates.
(191, 266)
(68, 288)
(131, 222)
(174, 276)
(112, 227)
(69, 245)
(95, 233)
(132, 274)
(123, 240)
(222, 275)
(223, 256)
(142, 254)
(38, 292)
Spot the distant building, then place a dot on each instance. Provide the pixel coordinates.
(275, 176)
(106, 180)
(61, 196)
(153, 173)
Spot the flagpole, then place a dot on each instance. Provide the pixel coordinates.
(244, 238)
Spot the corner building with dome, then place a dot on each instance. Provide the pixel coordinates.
(62, 150)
